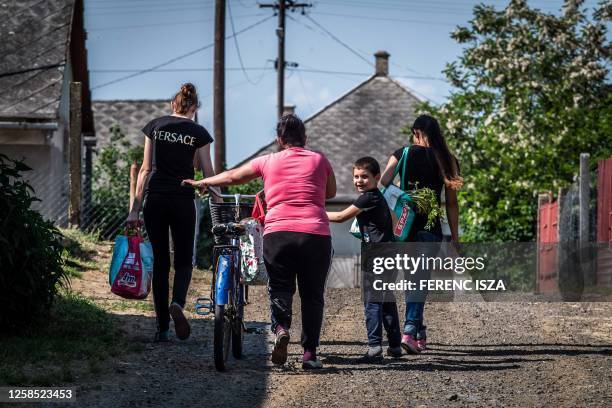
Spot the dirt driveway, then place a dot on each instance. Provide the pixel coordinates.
(482, 354)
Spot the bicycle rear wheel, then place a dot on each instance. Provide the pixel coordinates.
(222, 337)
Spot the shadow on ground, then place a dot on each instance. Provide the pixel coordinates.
(179, 373)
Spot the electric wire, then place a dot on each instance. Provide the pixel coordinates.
(170, 61)
(246, 75)
(335, 39)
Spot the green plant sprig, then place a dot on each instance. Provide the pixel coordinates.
(426, 203)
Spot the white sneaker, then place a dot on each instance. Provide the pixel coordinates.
(312, 364)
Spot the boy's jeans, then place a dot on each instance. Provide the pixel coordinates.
(377, 315)
(414, 310)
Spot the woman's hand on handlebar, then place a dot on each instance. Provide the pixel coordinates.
(200, 185)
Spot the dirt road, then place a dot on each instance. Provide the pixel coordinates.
(481, 354)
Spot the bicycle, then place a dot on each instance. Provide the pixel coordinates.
(228, 294)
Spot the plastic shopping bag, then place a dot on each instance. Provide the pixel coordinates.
(251, 248)
(354, 230)
(131, 267)
(259, 209)
(402, 212)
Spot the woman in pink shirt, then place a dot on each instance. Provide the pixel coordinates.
(297, 240)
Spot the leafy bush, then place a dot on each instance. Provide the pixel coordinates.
(252, 187)
(111, 189)
(30, 253)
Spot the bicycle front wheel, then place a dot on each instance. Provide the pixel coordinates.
(222, 337)
(237, 333)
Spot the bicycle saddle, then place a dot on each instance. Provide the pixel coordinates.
(231, 228)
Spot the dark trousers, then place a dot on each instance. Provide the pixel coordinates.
(177, 215)
(307, 257)
(377, 315)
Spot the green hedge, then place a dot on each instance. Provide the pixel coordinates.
(30, 253)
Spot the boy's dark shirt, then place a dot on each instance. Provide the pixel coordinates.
(175, 141)
(374, 220)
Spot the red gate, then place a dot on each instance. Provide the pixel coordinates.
(604, 221)
(548, 239)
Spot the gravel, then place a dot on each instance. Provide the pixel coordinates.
(481, 354)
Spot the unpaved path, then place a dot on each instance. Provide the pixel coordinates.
(482, 354)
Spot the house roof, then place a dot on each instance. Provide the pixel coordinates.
(366, 121)
(130, 115)
(33, 34)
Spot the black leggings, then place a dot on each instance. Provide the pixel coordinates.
(307, 257)
(178, 215)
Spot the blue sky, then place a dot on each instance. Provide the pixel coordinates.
(132, 35)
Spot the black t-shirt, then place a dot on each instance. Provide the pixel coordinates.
(175, 141)
(374, 220)
(422, 168)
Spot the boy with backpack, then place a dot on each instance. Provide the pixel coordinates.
(375, 225)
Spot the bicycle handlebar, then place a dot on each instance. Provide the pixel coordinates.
(234, 196)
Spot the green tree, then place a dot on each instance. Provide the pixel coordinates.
(530, 94)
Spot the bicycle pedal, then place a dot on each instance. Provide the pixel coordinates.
(204, 306)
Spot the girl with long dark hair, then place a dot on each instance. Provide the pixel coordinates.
(172, 144)
(430, 165)
(297, 240)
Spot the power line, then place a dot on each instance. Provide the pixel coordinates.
(115, 71)
(124, 5)
(168, 24)
(304, 90)
(163, 64)
(322, 71)
(229, 9)
(265, 68)
(403, 7)
(337, 39)
(402, 20)
(95, 13)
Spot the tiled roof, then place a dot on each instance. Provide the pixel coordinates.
(130, 115)
(33, 33)
(366, 121)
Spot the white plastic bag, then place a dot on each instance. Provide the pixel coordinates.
(251, 247)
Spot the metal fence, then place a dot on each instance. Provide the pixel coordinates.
(102, 214)
(52, 196)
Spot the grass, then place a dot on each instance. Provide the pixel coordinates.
(79, 252)
(123, 305)
(77, 332)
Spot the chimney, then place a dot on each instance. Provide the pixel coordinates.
(289, 110)
(382, 63)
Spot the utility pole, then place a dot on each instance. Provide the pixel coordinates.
(219, 86)
(74, 154)
(282, 6)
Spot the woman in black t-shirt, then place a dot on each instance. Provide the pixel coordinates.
(430, 164)
(172, 144)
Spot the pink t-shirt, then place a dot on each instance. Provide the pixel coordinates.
(294, 184)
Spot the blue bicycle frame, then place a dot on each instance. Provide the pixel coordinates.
(227, 277)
